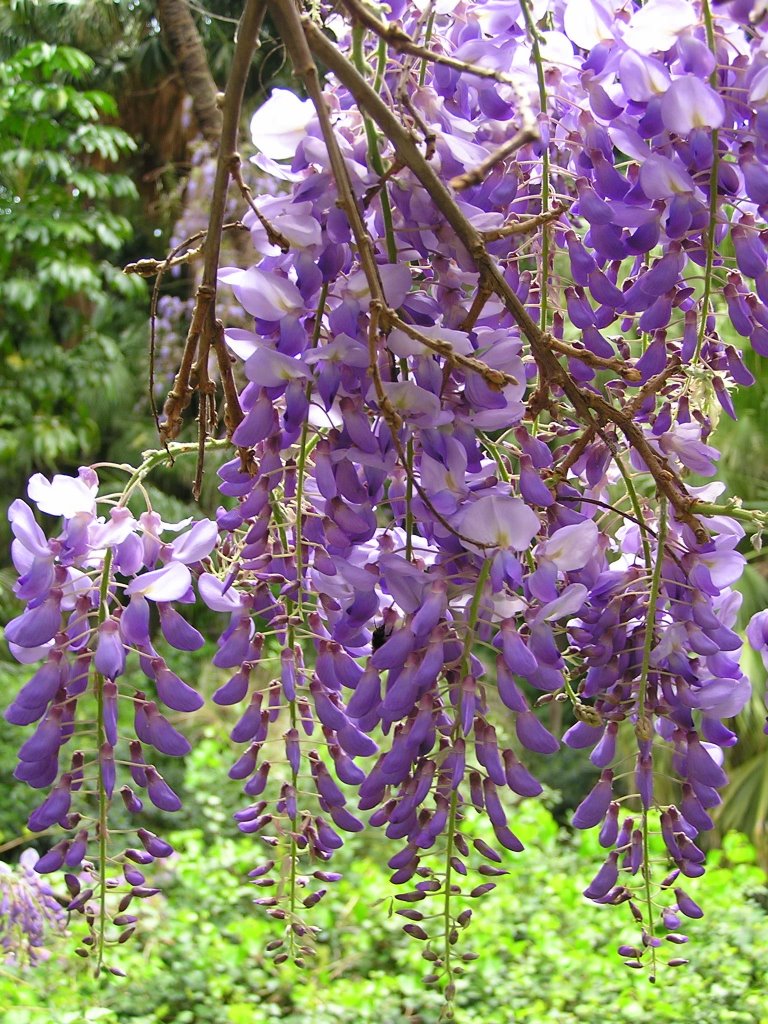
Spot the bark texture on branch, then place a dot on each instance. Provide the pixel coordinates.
(186, 47)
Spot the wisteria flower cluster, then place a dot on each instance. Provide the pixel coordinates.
(495, 313)
(29, 912)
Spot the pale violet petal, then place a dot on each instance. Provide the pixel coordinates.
(197, 543)
(215, 596)
(65, 496)
(280, 124)
(169, 583)
(571, 547)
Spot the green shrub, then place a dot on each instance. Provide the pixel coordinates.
(546, 956)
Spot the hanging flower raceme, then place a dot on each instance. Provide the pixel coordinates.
(89, 593)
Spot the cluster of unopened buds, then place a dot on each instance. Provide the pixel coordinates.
(444, 511)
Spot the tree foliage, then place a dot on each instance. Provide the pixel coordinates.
(65, 217)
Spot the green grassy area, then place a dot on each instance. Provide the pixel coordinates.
(546, 956)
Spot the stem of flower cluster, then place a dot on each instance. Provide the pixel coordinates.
(653, 599)
(474, 610)
(372, 137)
(100, 740)
(305, 447)
(710, 250)
(536, 51)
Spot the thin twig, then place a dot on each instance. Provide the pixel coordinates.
(274, 237)
(149, 267)
(200, 338)
(477, 174)
(630, 373)
(496, 379)
(522, 227)
(399, 39)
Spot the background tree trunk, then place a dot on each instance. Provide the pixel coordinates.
(186, 47)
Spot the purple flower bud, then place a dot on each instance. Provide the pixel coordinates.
(77, 850)
(234, 644)
(132, 803)
(292, 750)
(594, 806)
(533, 735)
(686, 905)
(605, 879)
(328, 839)
(109, 695)
(700, 765)
(493, 804)
(508, 689)
(38, 624)
(161, 734)
(255, 785)
(325, 785)
(367, 694)
(53, 860)
(644, 780)
(693, 812)
(487, 750)
(517, 776)
(175, 693)
(107, 769)
(246, 763)
(249, 725)
(346, 769)
(159, 792)
(394, 650)
(53, 808)
(40, 690)
(153, 844)
(402, 694)
(177, 631)
(355, 742)
(38, 774)
(109, 658)
(235, 689)
(605, 751)
(328, 711)
(344, 820)
(132, 875)
(45, 740)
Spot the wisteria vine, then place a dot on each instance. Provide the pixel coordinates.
(497, 307)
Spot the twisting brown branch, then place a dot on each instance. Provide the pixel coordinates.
(202, 330)
(654, 385)
(528, 132)
(522, 227)
(274, 237)
(575, 451)
(591, 408)
(483, 293)
(403, 98)
(289, 27)
(398, 39)
(496, 379)
(149, 267)
(630, 373)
